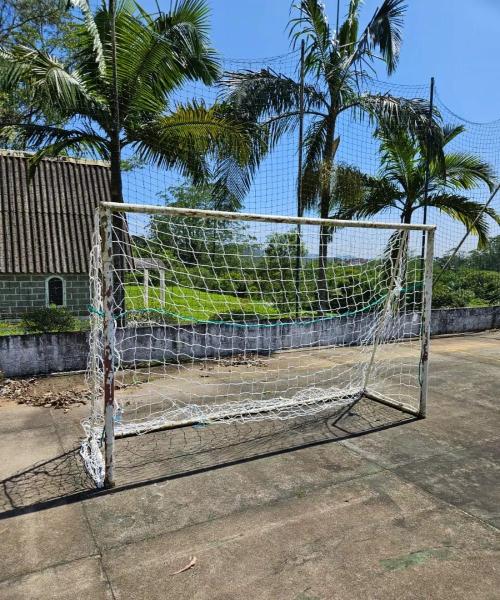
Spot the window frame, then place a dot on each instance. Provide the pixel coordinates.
(47, 292)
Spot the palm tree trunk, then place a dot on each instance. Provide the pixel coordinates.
(324, 211)
(116, 178)
(406, 216)
(119, 231)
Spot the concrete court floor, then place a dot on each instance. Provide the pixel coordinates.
(376, 506)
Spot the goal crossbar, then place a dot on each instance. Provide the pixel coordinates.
(236, 216)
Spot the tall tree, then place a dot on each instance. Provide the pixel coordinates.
(107, 109)
(337, 63)
(115, 90)
(402, 182)
(46, 25)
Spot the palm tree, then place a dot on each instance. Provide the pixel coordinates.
(404, 184)
(336, 65)
(116, 91)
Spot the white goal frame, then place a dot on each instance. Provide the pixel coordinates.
(105, 214)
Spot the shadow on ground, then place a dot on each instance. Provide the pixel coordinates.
(165, 455)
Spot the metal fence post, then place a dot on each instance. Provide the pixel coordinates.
(426, 323)
(300, 208)
(106, 219)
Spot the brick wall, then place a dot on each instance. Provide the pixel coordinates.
(19, 293)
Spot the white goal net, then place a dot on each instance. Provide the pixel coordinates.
(200, 316)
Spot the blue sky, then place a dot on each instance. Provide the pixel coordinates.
(457, 41)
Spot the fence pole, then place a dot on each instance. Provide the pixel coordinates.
(106, 227)
(426, 325)
(298, 260)
(428, 163)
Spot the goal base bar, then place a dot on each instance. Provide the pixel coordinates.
(339, 402)
(406, 408)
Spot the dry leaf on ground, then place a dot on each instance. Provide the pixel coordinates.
(190, 565)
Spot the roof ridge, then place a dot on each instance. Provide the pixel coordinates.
(69, 159)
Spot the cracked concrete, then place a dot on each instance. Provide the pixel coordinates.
(377, 507)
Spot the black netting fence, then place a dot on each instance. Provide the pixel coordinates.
(471, 276)
(472, 273)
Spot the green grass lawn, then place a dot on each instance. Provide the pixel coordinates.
(194, 304)
(7, 328)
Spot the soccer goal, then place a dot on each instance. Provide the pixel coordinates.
(201, 316)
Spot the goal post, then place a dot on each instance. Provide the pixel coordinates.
(227, 316)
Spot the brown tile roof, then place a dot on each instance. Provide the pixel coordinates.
(46, 224)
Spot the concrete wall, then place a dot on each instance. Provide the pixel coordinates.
(20, 293)
(37, 354)
(26, 355)
(460, 320)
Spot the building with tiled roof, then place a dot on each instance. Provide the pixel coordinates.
(46, 225)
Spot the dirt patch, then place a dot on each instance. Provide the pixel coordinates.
(48, 392)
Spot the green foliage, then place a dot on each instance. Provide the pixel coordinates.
(470, 279)
(155, 55)
(466, 287)
(278, 269)
(48, 319)
(218, 243)
(401, 182)
(335, 62)
(484, 284)
(46, 26)
(444, 296)
(487, 258)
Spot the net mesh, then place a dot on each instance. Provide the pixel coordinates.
(233, 319)
(474, 278)
(273, 188)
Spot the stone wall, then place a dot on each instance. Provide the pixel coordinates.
(20, 293)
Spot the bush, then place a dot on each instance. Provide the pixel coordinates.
(484, 284)
(447, 297)
(48, 319)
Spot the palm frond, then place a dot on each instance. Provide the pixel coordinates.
(349, 191)
(348, 33)
(314, 142)
(57, 141)
(466, 171)
(147, 66)
(473, 215)
(265, 93)
(410, 113)
(192, 135)
(233, 175)
(311, 25)
(92, 30)
(379, 194)
(400, 160)
(406, 114)
(186, 27)
(50, 83)
(450, 132)
(384, 32)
